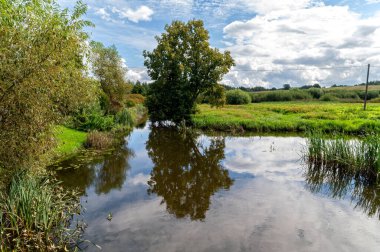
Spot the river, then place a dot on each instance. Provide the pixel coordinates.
(165, 190)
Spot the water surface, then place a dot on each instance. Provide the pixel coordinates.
(176, 191)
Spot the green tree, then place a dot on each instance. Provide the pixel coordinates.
(108, 67)
(42, 75)
(286, 86)
(182, 66)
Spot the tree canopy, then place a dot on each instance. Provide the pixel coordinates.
(182, 66)
(108, 67)
(42, 74)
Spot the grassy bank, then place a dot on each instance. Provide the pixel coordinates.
(291, 116)
(69, 141)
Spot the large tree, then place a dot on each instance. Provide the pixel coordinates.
(182, 66)
(42, 75)
(108, 67)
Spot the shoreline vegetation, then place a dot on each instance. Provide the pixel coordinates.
(329, 117)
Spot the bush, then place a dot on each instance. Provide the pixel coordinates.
(316, 93)
(99, 140)
(35, 215)
(124, 118)
(134, 99)
(281, 95)
(236, 97)
(329, 97)
(372, 94)
(92, 118)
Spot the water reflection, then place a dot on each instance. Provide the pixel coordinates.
(106, 171)
(186, 172)
(362, 188)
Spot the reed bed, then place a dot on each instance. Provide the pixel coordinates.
(361, 155)
(35, 215)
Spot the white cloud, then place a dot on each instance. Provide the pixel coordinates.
(142, 13)
(103, 14)
(138, 74)
(310, 37)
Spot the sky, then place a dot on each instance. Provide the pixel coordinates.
(299, 42)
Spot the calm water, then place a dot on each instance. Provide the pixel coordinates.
(170, 191)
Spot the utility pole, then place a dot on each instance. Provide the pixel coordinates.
(366, 89)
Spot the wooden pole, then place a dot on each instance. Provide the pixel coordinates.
(366, 89)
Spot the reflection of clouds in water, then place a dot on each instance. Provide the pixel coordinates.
(261, 215)
(265, 156)
(139, 179)
(269, 211)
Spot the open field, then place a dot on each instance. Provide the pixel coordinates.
(291, 116)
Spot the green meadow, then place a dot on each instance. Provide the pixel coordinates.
(292, 116)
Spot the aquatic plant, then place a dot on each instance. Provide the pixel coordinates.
(356, 155)
(35, 215)
(99, 140)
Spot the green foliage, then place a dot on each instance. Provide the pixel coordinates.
(372, 94)
(316, 93)
(35, 215)
(357, 156)
(124, 118)
(42, 75)
(237, 97)
(281, 95)
(92, 118)
(286, 86)
(182, 66)
(140, 88)
(108, 68)
(329, 97)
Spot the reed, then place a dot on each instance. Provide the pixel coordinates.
(35, 215)
(359, 155)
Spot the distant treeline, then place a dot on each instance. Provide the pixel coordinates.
(288, 86)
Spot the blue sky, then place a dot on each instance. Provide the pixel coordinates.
(273, 42)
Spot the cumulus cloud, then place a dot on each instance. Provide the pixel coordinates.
(102, 12)
(142, 13)
(138, 74)
(308, 38)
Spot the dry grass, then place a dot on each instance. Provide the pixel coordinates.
(99, 140)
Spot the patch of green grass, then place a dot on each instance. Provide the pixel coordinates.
(68, 140)
(291, 116)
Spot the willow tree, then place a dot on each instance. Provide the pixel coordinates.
(182, 66)
(108, 68)
(42, 75)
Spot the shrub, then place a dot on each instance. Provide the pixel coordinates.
(124, 118)
(99, 140)
(316, 93)
(329, 97)
(35, 215)
(281, 95)
(92, 118)
(372, 94)
(237, 97)
(133, 99)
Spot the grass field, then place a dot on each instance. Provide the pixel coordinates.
(291, 116)
(69, 140)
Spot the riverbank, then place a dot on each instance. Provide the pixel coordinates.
(290, 117)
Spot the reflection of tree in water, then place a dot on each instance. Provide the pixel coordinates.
(339, 183)
(185, 172)
(105, 172)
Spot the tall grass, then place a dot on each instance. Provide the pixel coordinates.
(356, 155)
(35, 215)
